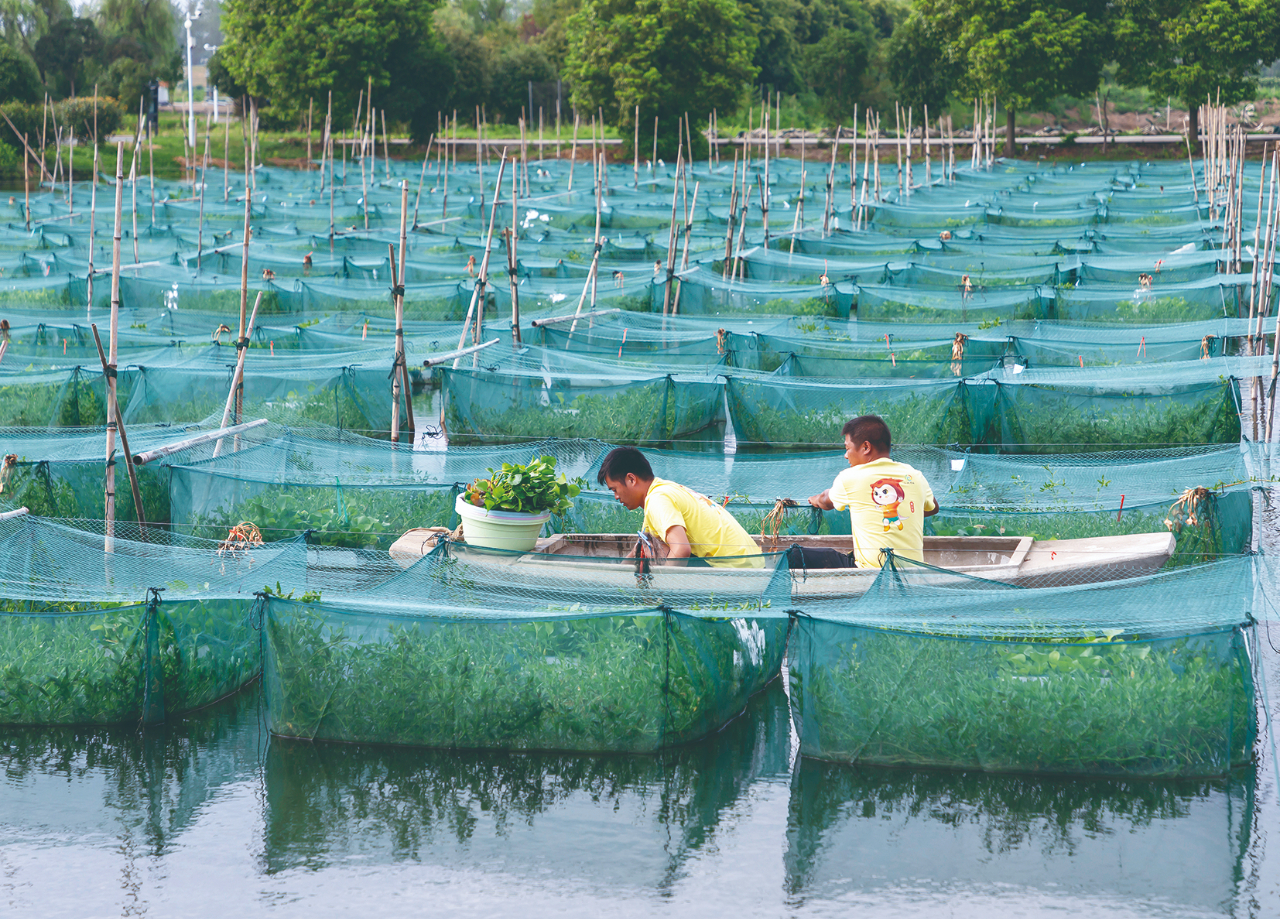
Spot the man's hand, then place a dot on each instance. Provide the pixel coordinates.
(823, 501)
(678, 548)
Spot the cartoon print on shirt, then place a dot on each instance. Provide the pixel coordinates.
(888, 494)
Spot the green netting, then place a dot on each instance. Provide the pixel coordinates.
(906, 304)
(1040, 414)
(502, 652)
(1181, 303)
(929, 669)
(795, 413)
(703, 292)
(64, 665)
(492, 406)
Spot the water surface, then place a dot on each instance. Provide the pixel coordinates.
(210, 817)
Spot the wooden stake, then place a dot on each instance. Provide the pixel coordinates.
(399, 372)
(109, 513)
(235, 395)
(511, 270)
(422, 178)
(108, 371)
(477, 294)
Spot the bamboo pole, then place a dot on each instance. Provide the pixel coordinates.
(149, 456)
(671, 239)
(764, 187)
(108, 371)
(573, 148)
(133, 194)
(1264, 296)
(684, 258)
(399, 374)
(151, 172)
(594, 270)
(422, 178)
(477, 294)
(242, 337)
(386, 149)
(728, 233)
(93, 211)
(27, 147)
(204, 173)
(480, 165)
(831, 187)
(109, 514)
(26, 183)
(601, 178)
(511, 270)
(235, 395)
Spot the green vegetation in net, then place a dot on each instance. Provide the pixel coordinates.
(1094, 704)
(1045, 416)
(69, 666)
(643, 413)
(354, 518)
(626, 682)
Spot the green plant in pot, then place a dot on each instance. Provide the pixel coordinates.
(507, 509)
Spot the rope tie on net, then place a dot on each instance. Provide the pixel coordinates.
(1194, 507)
(957, 353)
(772, 522)
(721, 335)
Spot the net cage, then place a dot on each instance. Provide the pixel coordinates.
(1098, 310)
(496, 650)
(930, 669)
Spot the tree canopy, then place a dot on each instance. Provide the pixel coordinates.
(668, 57)
(291, 53)
(1195, 50)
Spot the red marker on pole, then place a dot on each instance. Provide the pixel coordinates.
(1121, 511)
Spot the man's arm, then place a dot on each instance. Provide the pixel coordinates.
(935, 510)
(678, 545)
(823, 501)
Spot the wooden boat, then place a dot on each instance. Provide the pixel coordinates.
(1019, 560)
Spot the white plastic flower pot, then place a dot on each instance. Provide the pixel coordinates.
(499, 529)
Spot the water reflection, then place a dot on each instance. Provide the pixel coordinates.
(629, 822)
(205, 818)
(880, 835)
(143, 790)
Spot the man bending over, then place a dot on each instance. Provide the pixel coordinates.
(689, 523)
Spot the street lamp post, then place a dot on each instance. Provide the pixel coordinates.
(191, 88)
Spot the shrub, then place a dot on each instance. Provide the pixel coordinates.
(77, 115)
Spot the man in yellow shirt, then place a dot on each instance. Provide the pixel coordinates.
(689, 523)
(887, 500)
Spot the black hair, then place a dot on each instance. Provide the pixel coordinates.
(870, 428)
(623, 460)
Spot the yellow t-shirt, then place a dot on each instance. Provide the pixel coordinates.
(886, 502)
(713, 533)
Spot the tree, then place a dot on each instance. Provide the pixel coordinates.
(777, 54)
(64, 51)
(920, 66)
(143, 31)
(23, 22)
(292, 53)
(19, 80)
(834, 67)
(518, 65)
(1195, 50)
(1022, 51)
(668, 57)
